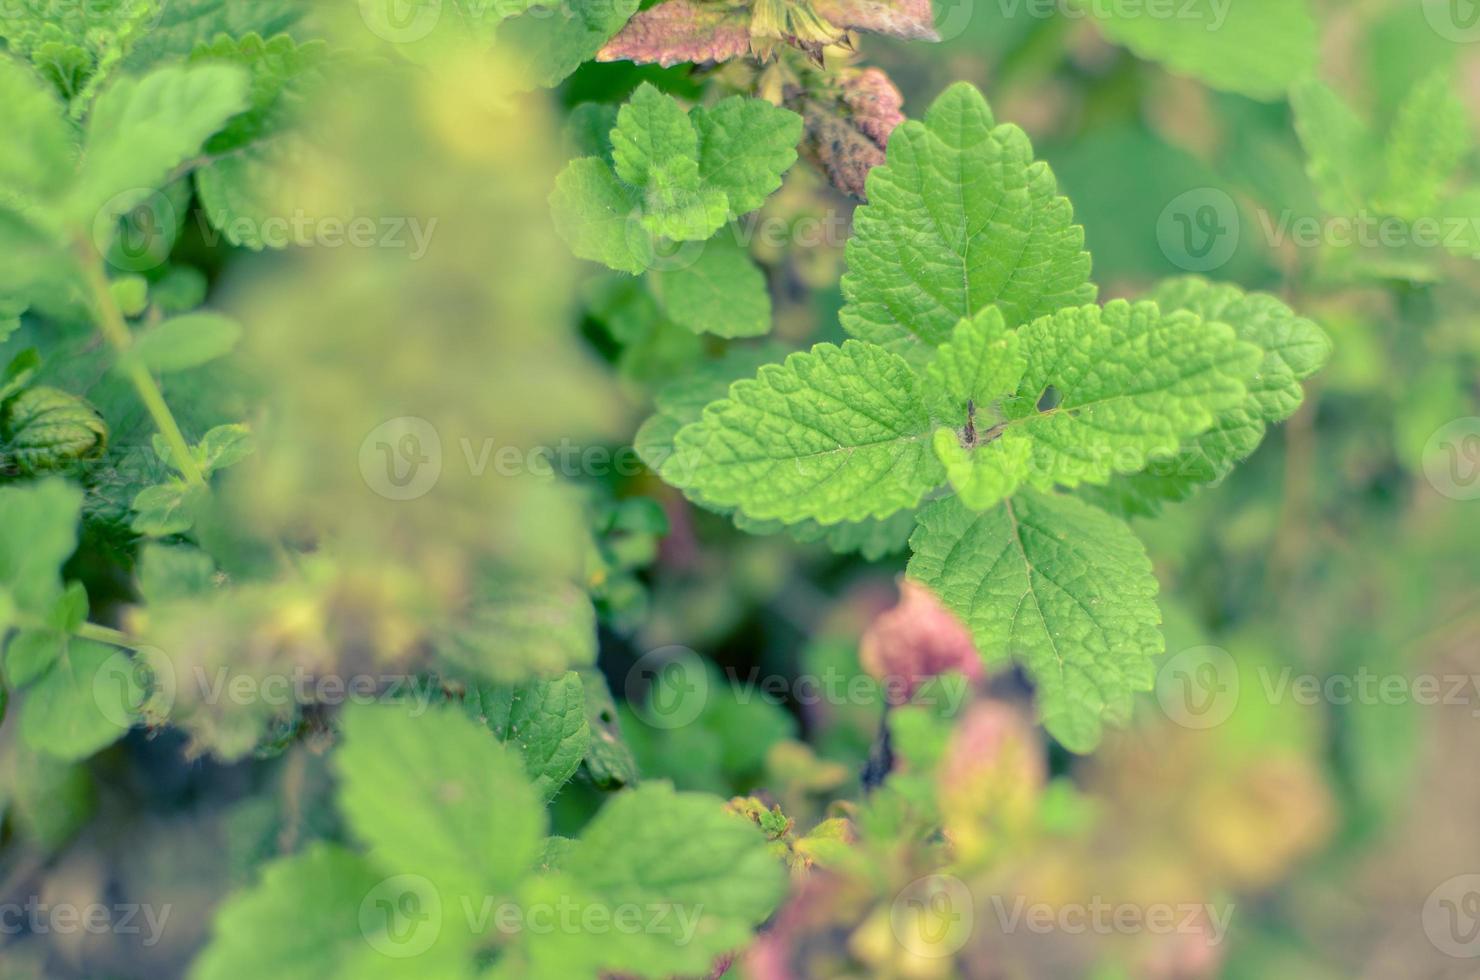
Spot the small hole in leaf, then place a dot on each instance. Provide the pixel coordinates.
(1049, 400)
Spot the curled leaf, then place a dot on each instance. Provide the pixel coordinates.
(916, 640)
(677, 31)
(45, 428)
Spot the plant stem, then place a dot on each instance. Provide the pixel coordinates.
(104, 634)
(111, 323)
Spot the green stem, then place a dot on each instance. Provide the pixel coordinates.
(114, 328)
(104, 634)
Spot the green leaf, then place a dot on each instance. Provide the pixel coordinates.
(1429, 139)
(549, 44)
(518, 629)
(328, 914)
(720, 292)
(597, 215)
(960, 218)
(1339, 147)
(281, 72)
(82, 704)
(981, 363)
(184, 342)
(38, 150)
(1256, 48)
(608, 761)
(46, 428)
(545, 719)
(434, 794)
(1057, 584)
(1127, 384)
(833, 434)
(166, 508)
(30, 653)
(1294, 348)
(223, 446)
(653, 848)
(38, 533)
(652, 137)
(745, 145)
(141, 129)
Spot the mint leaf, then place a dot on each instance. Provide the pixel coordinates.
(185, 342)
(140, 129)
(597, 215)
(833, 434)
(654, 848)
(960, 218)
(82, 704)
(1057, 584)
(517, 629)
(982, 361)
(38, 154)
(544, 719)
(608, 762)
(1126, 382)
(549, 44)
(745, 145)
(38, 534)
(720, 292)
(435, 794)
(1257, 48)
(1294, 348)
(673, 174)
(328, 913)
(1339, 147)
(1429, 139)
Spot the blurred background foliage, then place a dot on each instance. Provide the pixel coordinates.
(1323, 828)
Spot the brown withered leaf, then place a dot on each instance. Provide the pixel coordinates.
(847, 135)
(677, 31)
(912, 20)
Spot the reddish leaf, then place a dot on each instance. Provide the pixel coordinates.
(910, 19)
(677, 31)
(847, 137)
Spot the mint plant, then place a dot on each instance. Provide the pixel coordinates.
(976, 367)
